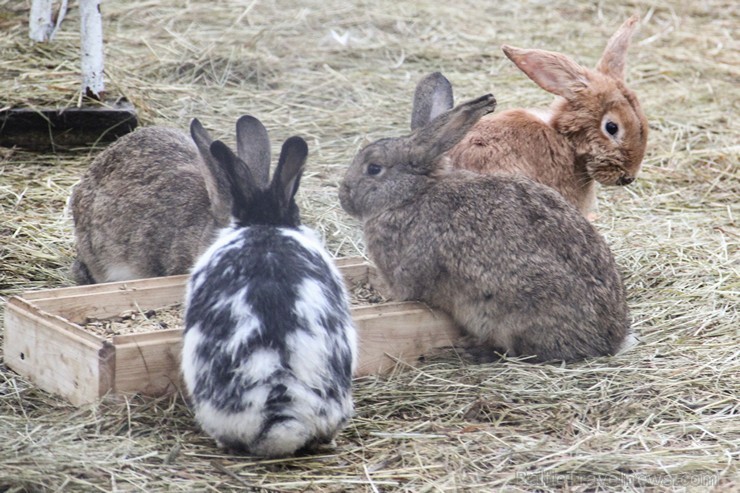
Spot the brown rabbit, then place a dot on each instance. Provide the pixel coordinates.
(512, 262)
(593, 131)
(153, 201)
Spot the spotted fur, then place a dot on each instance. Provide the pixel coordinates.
(269, 345)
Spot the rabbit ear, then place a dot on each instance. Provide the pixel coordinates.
(199, 134)
(203, 142)
(433, 96)
(553, 72)
(241, 182)
(290, 167)
(614, 58)
(253, 147)
(440, 135)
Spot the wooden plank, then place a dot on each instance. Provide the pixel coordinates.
(61, 323)
(351, 267)
(354, 273)
(41, 348)
(111, 303)
(108, 287)
(77, 303)
(404, 332)
(148, 363)
(342, 262)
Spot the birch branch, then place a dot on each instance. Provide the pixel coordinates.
(39, 23)
(93, 84)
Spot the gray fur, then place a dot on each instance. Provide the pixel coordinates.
(432, 97)
(216, 182)
(253, 147)
(513, 263)
(149, 205)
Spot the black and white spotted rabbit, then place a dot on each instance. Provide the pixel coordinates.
(269, 345)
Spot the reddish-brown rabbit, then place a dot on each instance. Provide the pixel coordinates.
(594, 131)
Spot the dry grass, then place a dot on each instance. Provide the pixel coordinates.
(663, 417)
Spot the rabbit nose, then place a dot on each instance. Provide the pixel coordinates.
(625, 180)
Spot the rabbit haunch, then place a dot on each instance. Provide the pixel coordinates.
(511, 261)
(594, 131)
(287, 356)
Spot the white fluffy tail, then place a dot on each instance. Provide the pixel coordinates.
(629, 342)
(283, 439)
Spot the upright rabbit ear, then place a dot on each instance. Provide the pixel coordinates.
(241, 182)
(440, 135)
(614, 58)
(290, 167)
(553, 72)
(202, 141)
(253, 147)
(199, 134)
(221, 198)
(433, 96)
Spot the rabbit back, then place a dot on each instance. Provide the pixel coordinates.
(523, 143)
(143, 208)
(513, 263)
(269, 345)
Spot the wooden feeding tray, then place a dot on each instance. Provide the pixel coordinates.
(74, 341)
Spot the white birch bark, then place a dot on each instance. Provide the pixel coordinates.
(40, 24)
(60, 17)
(93, 84)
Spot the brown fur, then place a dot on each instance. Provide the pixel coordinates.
(567, 148)
(509, 259)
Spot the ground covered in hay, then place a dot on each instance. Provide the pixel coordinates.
(663, 417)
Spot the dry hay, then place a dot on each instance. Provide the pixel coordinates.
(662, 417)
(136, 321)
(364, 293)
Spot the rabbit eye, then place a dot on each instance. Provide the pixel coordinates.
(611, 128)
(374, 169)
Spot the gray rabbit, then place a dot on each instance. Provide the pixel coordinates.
(152, 202)
(514, 264)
